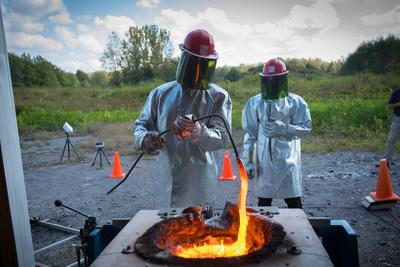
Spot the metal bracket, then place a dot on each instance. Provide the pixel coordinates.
(128, 250)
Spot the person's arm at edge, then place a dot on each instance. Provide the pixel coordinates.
(394, 105)
(145, 122)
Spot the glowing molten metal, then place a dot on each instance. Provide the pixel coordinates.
(198, 237)
(216, 247)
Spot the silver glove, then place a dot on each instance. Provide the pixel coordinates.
(184, 126)
(152, 143)
(274, 128)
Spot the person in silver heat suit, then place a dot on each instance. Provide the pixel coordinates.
(187, 156)
(274, 121)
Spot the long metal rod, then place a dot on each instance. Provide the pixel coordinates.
(55, 244)
(59, 203)
(74, 264)
(58, 227)
(168, 130)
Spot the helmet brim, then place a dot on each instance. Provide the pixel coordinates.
(272, 75)
(213, 56)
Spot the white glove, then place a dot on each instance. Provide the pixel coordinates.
(274, 128)
(152, 143)
(184, 126)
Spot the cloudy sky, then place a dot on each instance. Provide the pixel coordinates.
(73, 33)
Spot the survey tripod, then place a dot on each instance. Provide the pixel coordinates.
(67, 145)
(100, 151)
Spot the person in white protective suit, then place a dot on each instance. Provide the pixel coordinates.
(274, 121)
(187, 156)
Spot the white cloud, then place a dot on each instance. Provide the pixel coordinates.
(32, 41)
(29, 15)
(82, 27)
(76, 59)
(250, 43)
(76, 63)
(90, 42)
(16, 22)
(62, 17)
(219, 20)
(148, 3)
(321, 16)
(36, 7)
(66, 35)
(390, 17)
(86, 42)
(118, 24)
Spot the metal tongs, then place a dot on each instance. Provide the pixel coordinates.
(173, 129)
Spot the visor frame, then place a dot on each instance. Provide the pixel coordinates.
(273, 93)
(191, 66)
(214, 56)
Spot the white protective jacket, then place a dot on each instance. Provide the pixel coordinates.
(276, 161)
(186, 168)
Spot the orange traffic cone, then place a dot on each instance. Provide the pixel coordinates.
(117, 169)
(384, 190)
(227, 173)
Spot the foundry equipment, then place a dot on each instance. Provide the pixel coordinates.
(318, 239)
(93, 239)
(113, 243)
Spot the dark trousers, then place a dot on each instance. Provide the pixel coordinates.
(292, 203)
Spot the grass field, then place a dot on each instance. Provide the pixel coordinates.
(348, 112)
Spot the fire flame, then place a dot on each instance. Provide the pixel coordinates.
(218, 247)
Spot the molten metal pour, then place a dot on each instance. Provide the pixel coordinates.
(215, 247)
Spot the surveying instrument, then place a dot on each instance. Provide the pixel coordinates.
(68, 129)
(99, 147)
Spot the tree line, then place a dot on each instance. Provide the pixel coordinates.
(378, 56)
(146, 53)
(28, 71)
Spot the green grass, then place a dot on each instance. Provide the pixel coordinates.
(348, 112)
(50, 120)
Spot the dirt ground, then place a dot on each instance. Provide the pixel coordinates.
(334, 184)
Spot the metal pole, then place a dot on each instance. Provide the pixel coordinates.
(55, 244)
(95, 157)
(14, 224)
(69, 142)
(62, 155)
(106, 157)
(101, 162)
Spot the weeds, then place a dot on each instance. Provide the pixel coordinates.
(348, 112)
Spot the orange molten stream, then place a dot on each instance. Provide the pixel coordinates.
(214, 247)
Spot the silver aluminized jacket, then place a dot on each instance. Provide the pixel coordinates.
(276, 161)
(186, 168)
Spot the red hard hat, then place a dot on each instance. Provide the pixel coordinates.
(199, 43)
(274, 67)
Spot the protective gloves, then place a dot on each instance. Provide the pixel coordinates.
(184, 126)
(152, 143)
(274, 128)
(250, 174)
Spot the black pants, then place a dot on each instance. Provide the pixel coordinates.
(292, 203)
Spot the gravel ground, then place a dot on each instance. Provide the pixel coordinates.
(334, 184)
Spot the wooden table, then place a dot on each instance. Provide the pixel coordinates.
(294, 221)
